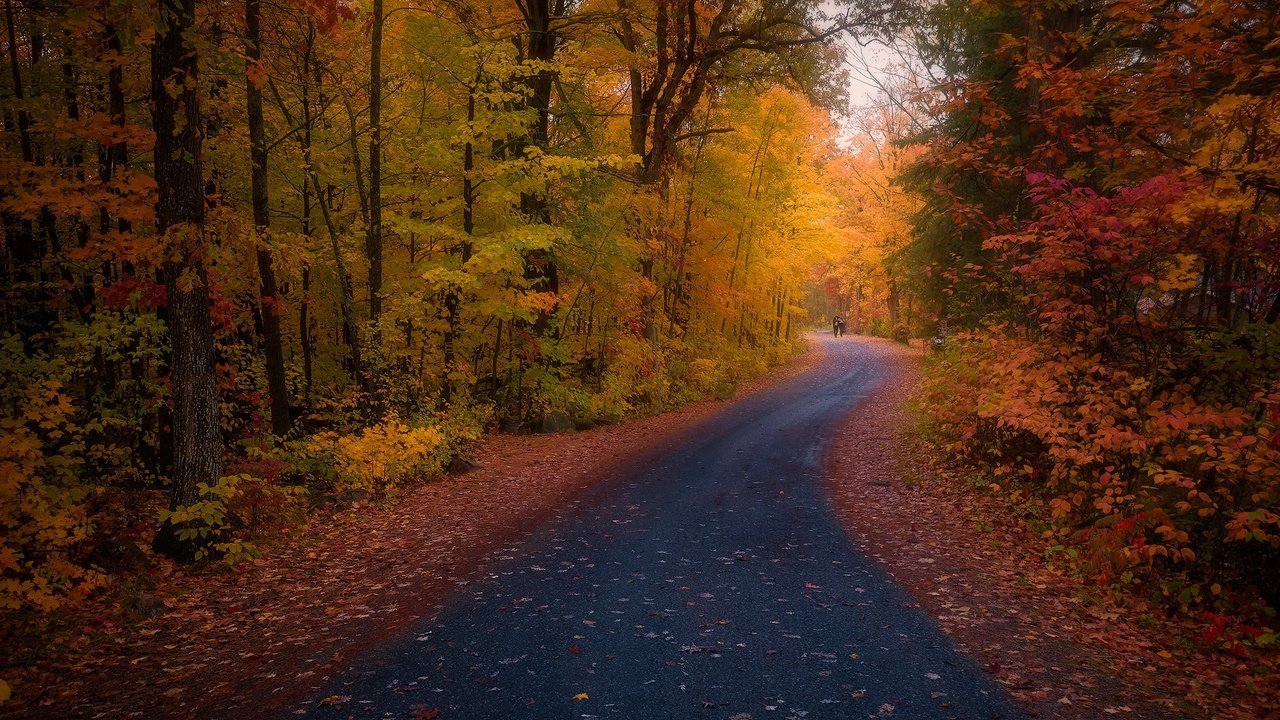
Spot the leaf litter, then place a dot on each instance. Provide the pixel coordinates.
(1060, 650)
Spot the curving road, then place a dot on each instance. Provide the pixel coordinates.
(715, 584)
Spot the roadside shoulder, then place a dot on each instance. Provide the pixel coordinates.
(980, 572)
(333, 589)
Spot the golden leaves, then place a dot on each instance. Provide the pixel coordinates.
(383, 456)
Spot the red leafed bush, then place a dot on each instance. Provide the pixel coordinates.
(1152, 439)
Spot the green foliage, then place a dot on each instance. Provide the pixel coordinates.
(207, 522)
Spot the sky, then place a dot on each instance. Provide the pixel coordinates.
(865, 66)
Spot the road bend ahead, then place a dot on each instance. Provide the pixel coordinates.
(716, 583)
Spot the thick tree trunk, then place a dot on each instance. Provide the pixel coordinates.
(892, 305)
(180, 215)
(273, 346)
(542, 43)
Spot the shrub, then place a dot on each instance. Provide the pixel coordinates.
(44, 515)
(1153, 444)
(383, 457)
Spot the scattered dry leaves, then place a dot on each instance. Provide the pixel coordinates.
(1063, 651)
(250, 642)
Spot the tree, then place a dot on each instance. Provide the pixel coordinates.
(373, 232)
(271, 307)
(180, 215)
(515, 252)
(1100, 207)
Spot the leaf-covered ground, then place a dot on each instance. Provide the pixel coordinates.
(204, 640)
(1064, 651)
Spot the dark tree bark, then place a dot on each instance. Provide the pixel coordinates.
(540, 45)
(691, 47)
(180, 214)
(304, 307)
(115, 157)
(30, 315)
(452, 297)
(373, 231)
(273, 346)
(82, 292)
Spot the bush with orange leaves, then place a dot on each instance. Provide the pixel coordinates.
(1149, 440)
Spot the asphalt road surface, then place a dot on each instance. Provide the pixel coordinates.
(716, 583)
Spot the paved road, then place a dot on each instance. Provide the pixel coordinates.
(716, 584)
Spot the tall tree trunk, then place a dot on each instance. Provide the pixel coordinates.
(31, 316)
(82, 288)
(115, 157)
(541, 45)
(373, 231)
(304, 307)
(681, 274)
(52, 248)
(273, 346)
(452, 298)
(346, 299)
(892, 304)
(180, 215)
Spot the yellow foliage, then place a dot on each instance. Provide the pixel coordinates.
(384, 456)
(42, 514)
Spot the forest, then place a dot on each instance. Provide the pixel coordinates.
(263, 258)
(1099, 220)
(261, 252)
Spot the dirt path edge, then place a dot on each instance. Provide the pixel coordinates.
(256, 642)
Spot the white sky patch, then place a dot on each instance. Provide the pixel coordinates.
(868, 69)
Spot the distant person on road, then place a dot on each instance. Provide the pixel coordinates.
(837, 325)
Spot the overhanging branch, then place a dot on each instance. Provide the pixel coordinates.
(701, 133)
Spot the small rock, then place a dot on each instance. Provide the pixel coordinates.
(115, 555)
(556, 422)
(348, 498)
(148, 606)
(459, 465)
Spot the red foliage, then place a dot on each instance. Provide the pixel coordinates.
(140, 294)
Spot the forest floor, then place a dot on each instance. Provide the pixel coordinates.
(211, 642)
(1062, 649)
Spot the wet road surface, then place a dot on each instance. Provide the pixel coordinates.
(714, 584)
